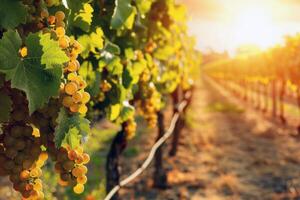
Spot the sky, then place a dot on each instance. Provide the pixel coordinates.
(227, 24)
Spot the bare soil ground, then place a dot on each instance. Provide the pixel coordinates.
(229, 151)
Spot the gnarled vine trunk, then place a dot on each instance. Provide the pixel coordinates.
(112, 162)
(160, 176)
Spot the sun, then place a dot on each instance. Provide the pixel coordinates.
(255, 26)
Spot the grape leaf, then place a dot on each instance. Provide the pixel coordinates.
(113, 112)
(124, 14)
(53, 55)
(126, 112)
(81, 15)
(115, 66)
(5, 107)
(127, 77)
(12, 13)
(144, 6)
(111, 48)
(91, 42)
(29, 74)
(72, 138)
(66, 123)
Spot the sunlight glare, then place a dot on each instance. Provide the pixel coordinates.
(255, 26)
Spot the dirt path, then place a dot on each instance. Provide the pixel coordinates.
(229, 152)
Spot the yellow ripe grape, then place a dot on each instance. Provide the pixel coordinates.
(49, 2)
(63, 42)
(86, 158)
(74, 108)
(77, 64)
(36, 132)
(77, 47)
(24, 175)
(81, 179)
(78, 189)
(82, 109)
(82, 84)
(62, 183)
(85, 97)
(23, 52)
(73, 55)
(72, 77)
(43, 156)
(38, 186)
(77, 97)
(71, 88)
(36, 172)
(79, 150)
(28, 187)
(44, 14)
(40, 163)
(67, 101)
(60, 24)
(72, 66)
(41, 195)
(51, 19)
(60, 15)
(83, 169)
(72, 155)
(79, 159)
(60, 32)
(77, 172)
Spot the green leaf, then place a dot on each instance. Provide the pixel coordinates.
(127, 77)
(81, 15)
(9, 48)
(115, 66)
(126, 113)
(94, 90)
(5, 107)
(113, 112)
(12, 13)
(29, 74)
(53, 55)
(164, 53)
(123, 15)
(112, 48)
(144, 5)
(67, 122)
(129, 54)
(91, 42)
(117, 93)
(72, 138)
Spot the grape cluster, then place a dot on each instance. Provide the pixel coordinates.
(73, 95)
(149, 100)
(20, 144)
(70, 164)
(20, 150)
(23, 158)
(130, 128)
